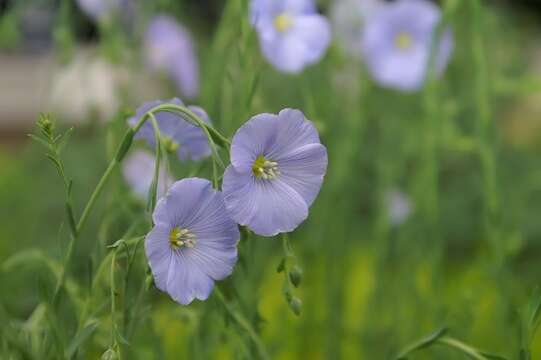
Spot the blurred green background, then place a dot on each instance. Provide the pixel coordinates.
(459, 161)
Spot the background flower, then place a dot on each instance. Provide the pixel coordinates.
(291, 34)
(348, 18)
(168, 47)
(398, 206)
(138, 171)
(277, 167)
(193, 242)
(185, 139)
(99, 9)
(397, 41)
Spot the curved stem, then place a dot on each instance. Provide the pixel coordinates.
(123, 148)
(156, 178)
(460, 346)
(243, 323)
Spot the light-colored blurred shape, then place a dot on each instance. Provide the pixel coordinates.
(88, 86)
(100, 9)
(23, 85)
(347, 20)
(522, 125)
(138, 171)
(168, 47)
(398, 205)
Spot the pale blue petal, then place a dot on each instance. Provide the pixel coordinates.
(192, 141)
(260, 9)
(189, 273)
(138, 170)
(186, 281)
(404, 69)
(303, 170)
(267, 207)
(291, 132)
(159, 254)
(169, 48)
(252, 139)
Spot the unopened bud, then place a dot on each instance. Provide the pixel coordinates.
(281, 266)
(296, 304)
(295, 275)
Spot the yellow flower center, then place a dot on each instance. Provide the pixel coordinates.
(283, 22)
(179, 237)
(169, 144)
(265, 169)
(403, 41)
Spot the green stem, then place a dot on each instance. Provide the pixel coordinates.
(243, 323)
(114, 343)
(123, 148)
(486, 148)
(460, 346)
(95, 194)
(153, 196)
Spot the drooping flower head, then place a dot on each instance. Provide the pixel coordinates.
(348, 18)
(138, 171)
(169, 48)
(292, 34)
(277, 167)
(180, 136)
(397, 42)
(193, 242)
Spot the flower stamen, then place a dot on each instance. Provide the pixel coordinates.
(181, 237)
(265, 169)
(403, 41)
(283, 22)
(170, 145)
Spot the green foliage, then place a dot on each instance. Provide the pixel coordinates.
(465, 150)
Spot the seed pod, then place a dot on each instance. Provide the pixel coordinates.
(295, 275)
(296, 304)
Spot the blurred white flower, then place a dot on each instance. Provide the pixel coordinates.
(347, 20)
(87, 86)
(398, 205)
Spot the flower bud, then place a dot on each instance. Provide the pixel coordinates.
(296, 304)
(281, 266)
(295, 275)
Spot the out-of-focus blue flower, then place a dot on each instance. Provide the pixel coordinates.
(99, 9)
(398, 206)
(348, 18)
(277, 167)
(180, 136)
(169, 48)
(397, 41)
(291, 34)
(138, 171)
(193, 242)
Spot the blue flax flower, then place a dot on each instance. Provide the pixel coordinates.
(138, 170)
(168, 48)
(292, 34)
(193, 242)
(100, 9)
(277, 167)
(180, 136)
(397, 41)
